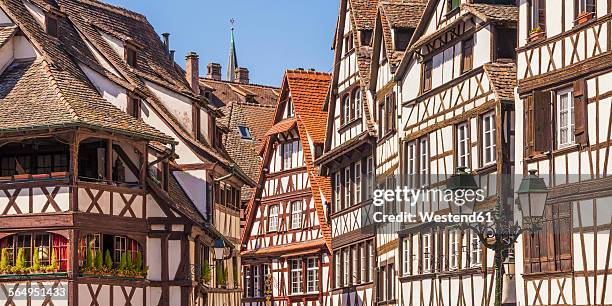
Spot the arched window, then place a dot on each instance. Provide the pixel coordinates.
(357, 103)
(47, 245)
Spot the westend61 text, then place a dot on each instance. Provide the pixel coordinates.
(425, 217)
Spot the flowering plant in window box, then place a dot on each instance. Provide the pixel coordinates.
(536, 33)
(584, 17)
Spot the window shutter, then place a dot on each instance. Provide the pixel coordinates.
(529, 128)
(542, 121)
(581, 112)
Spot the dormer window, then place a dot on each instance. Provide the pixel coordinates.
(133, 107)
(365, 36)
(290, 112)
(245, 132)
(131, 56)
(51, 25)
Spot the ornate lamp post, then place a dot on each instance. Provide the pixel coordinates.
(502, 233)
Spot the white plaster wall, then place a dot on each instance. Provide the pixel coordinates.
(4, 19)
(115, 43)
(174, 257)
(6, 55)
(194, 184)
(154, 258)
(180, 106)
(22, 48)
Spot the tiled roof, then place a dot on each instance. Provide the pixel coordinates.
(245, 152)
(492, 12)
(363, 12)
(81, 100)
(308, 92)
(403, 13)
(281, 127)
(502, 77)
(224, 92)
(6, 32)
(181, 201)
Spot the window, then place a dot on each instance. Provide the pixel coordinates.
(467, 54)
(390, 122)
(550, 249)
(312, 275)
(296, 276)
(369, 177)
(372, 262)
(347, 187)
(348, 43)
(245, 132)
(46, 244)
(453, 5)
(355, 264)
(290, 111)
(488, 137)
(537, 15)
(338, 192)
(134, 107)
(256, 282)
(475, 250)
(427, 68)
(346, 267)
(273, 219)
(338, 270)
(453, 257)
(51, 25)
(406, 256)
(363, 260)
(296, 214)
(390, 282)
(463, 145)
(565, 118)
(356, 103)
(357, 182)
(584, 6)
(288, 155)
(346, 109)
(131, 56)
(426, 253)
(424, 162)
(365, 36)
(248, 289)
(411, 167)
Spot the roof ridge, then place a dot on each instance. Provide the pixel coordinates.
(115, 9)
(236, 83)
(253, 104)
(315, 72)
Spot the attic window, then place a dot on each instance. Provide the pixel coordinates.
(402, 38)
(134, 107)
(51, 25)
(365, 36)
(245, 132)
(130, 56)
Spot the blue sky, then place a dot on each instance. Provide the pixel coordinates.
(271, 35)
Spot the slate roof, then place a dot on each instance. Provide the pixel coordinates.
(502, 77)
(82, 105)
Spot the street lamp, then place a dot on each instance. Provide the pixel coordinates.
(501, 234)
(532, 195)
(462, 183)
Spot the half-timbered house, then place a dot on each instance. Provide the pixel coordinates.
(348, 158)
(563, 130)
(395, 23)
(457, 83)
(286, 241)
(109, 156)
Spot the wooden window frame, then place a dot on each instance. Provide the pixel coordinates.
(345, 116)
(427, 76)
(276, 216)
(570, 139)
(493, 133)
(299, 269)
(357, 182)
(131, 56)
(463, 144)
(467, 54)
(337, 192)
(534, 17)
(348, 180)
(312, 270)
(297, 213)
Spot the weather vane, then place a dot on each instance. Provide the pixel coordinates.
(232, 22)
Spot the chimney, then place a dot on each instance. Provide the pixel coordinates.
(166, 37)
(192, 68)
(213, 71)
(242, 75)
(172, 55)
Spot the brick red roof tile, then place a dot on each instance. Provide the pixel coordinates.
(502, 77)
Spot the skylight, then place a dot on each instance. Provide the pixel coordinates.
(245, 133)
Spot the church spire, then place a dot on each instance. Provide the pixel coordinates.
(233, 60)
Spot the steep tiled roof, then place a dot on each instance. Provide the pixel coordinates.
(363, 12)
(502, 77)
(224, 92)
(6, 32)
(281, 127)
(245, 152)
(308, 92)
(403, 13)
(492, 12)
